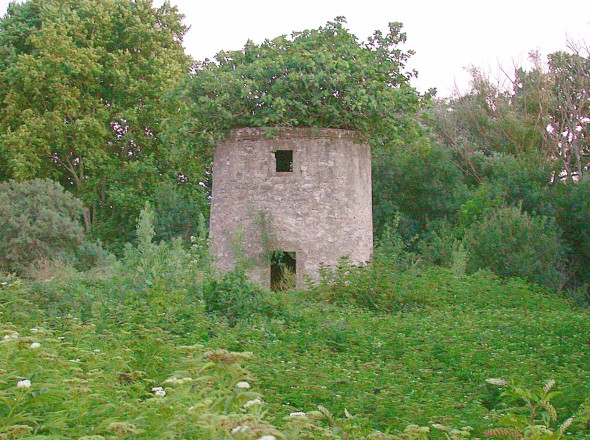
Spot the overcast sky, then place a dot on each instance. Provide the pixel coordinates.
(447, 35)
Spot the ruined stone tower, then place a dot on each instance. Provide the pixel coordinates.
(303, 192)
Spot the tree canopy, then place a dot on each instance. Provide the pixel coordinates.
(81, 97)
(321, 77)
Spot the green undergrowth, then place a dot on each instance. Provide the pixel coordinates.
(109, 356)
(428, 360)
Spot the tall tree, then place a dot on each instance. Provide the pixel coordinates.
(81, 99)
(571, 112)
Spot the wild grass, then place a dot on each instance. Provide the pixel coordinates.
(128, 353)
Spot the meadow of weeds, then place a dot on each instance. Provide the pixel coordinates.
(157, 346)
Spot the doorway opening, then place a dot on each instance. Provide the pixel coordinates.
(283, 270)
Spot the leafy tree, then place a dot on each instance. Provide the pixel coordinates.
(38, 220)
(571, 111)
(422, 186)
(517, 181)
(81, 100)
(491, 119)
(512, 243)
(315, 78)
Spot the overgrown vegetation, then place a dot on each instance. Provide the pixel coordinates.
(397, 348)
(481, 272)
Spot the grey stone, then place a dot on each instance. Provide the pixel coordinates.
(321, 210)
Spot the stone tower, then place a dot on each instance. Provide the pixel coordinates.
(303, 192)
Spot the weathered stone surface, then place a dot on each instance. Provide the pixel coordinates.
(321, 210)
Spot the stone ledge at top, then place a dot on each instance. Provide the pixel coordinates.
(270, 133)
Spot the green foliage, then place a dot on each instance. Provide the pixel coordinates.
(180, 211)
(377, 285)
(315, 78)
(491, 118)
(426, 361)
(81, 88)
(532, 414)
(442, 245)
(233, 296)
(39, 221)
(573, 216)
(512, 243)
(515, 143)
(517, 181)
(422, 367)
(422, 186)
(60, 377)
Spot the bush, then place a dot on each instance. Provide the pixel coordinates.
(377, 286)
(573, 216)
(38, 221)
(514, 244)
(234, 296)
(420, 187)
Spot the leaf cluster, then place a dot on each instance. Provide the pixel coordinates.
(322, 77)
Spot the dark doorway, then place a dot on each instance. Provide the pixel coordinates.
(284, 161)
(283, 270)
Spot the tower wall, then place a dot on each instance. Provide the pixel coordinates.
(321, 210)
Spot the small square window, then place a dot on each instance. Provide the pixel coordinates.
(284, 161)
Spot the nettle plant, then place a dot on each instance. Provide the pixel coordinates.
(531, 414)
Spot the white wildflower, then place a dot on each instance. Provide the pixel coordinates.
(267, 437)
(239, 428)
(496, 381)
(34, 330)
(23, 383)
(75, 361)
(34, 346)
(439, 426)
(159, 391)
(566, 425)
(243, 385)
(297, 414)
(253, 402)
(9, 336)
(177, 381)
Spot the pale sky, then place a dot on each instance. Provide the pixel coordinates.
(447, 35)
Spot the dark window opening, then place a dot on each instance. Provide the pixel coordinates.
(284, 161)
(283, 270)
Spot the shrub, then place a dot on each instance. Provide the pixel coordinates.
(233, 295)
(514, 244)
(378, 285)
(420, 186)
(178, 211)
(38, 220)
(170, 262)
(573, 216)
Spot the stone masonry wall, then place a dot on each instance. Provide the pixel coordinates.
(321, 210)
